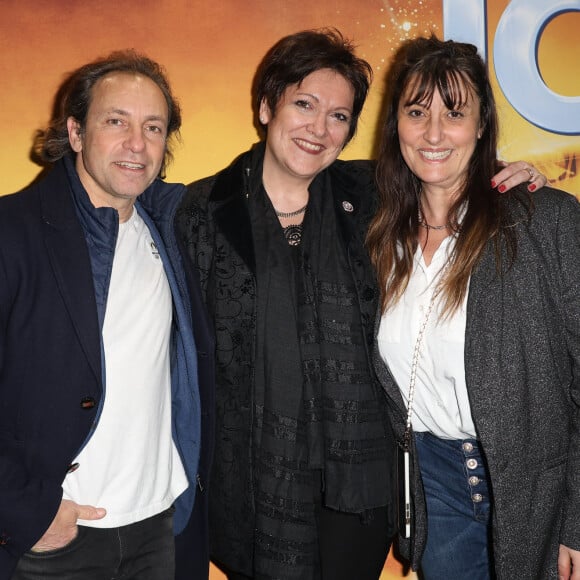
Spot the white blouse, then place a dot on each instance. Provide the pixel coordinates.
(441, 403)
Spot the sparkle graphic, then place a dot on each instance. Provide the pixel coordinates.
(401, 20)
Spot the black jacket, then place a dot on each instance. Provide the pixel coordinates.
(50, 355)
(215, 225)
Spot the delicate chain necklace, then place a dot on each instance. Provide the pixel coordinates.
(423, 223)
(289, 214)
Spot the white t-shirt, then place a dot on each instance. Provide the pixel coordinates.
(441, 404)
(130, 466)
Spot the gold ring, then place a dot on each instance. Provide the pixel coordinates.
(531, 172)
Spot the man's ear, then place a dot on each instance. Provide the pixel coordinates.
(74, 134)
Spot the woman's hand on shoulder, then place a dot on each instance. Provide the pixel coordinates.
(515, 173)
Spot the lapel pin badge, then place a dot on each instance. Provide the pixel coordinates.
(347, 206)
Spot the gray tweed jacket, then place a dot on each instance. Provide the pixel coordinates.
(522, 361)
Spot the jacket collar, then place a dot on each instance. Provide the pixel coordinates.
(228, 200)
(350, 183)
(352, 186)
(69, 259)
(56, 205)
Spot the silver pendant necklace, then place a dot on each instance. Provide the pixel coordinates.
(292, 232)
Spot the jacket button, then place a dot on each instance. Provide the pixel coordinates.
(72, 467)
(88, 403)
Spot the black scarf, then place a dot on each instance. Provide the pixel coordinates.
(319, 421)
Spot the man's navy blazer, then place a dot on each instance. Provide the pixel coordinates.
(50, 357)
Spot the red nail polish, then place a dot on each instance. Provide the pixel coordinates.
(501, 188)
(532, 187)
(493, 183)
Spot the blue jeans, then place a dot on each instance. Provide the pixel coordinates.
(458, 509)
(144, 551)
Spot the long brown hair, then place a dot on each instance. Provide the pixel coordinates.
(453, 69)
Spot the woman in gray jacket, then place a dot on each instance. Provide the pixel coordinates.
(479, 339)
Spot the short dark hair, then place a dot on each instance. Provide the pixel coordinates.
(74, 97)
(296, 56)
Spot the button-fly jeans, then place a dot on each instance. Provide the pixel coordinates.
(141, 551)
(458, 509)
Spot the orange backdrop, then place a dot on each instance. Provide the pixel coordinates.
(211, 49)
